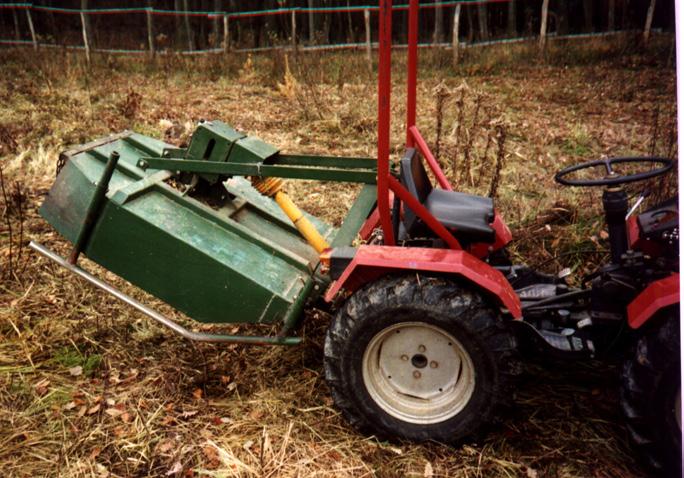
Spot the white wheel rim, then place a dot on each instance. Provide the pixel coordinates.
(418, 373)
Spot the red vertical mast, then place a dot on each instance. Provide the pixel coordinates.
(412, 71)
(384, 90)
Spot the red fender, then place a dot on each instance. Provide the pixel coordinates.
(372, 262)
(660, 294)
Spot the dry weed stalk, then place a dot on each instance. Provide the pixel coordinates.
(654, 131)
(500, 158)
(467, 151)
(14, 201)
(441, 93)
(460, 105)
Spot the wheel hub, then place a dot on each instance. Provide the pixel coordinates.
(418, 372)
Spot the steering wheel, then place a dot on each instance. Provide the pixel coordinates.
(612, 178)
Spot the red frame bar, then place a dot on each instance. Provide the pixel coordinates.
(427, 154)
(384, 90)
(412, 65)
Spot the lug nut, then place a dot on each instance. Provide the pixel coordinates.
(416, 374)
(434, 364)
(404, 357)
(421, 348)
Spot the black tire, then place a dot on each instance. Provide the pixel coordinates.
(440, 304)
(650, 387)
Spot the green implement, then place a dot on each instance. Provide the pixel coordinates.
(218, 251)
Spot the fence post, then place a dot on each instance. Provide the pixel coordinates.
(454, 38)
(649, 21)
(33, 31)
(542, 31)
(150, 33)
(226, 34)
(369, 56)
(86, 43)
(293, 19)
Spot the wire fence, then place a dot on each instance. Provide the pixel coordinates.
(156, 31)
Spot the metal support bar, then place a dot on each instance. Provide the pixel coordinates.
(94, 208)
(188, 334)
(261, 170)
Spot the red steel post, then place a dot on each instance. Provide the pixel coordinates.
(412, 71)
(384, 90)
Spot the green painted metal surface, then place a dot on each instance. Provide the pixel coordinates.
(241, 260)
(241, 263)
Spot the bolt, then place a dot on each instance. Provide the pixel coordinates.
(434, 364)
(416, 374)
(166, 154)
(404, 357)
(421, 348)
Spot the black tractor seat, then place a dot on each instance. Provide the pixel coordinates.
(467, 216)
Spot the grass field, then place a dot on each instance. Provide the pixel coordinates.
(90, 388)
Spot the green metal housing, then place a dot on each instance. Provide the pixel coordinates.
(239, 261)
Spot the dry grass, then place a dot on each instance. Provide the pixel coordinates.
(89, 388)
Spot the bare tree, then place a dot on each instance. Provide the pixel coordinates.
(312, 23)
(438, 35)
(563, 18)
(482, 21)
(611, 15)
(588, 15)
(513, 18)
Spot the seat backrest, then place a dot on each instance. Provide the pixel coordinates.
(415, 179)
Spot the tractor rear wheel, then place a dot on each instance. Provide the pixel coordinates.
(651, 396)
(419, 358)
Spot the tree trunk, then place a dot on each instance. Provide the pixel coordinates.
(312, 22)
(649, 21)
(588, 16)
(188, 29)
(86, 19)
(438, 35)
(513, 19)
(177, 24)
(471, 23)
(216, 28)
(611, 15)
(482, 22)
(17, 33)
(625, 24)
(563, 18)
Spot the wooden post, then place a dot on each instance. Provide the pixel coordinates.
(150, 33)
(293, 19)
(226, 34)
(454, 38)
(542, 30)
(85, 38)
(649, 21)
(33, 31)
(366, 21)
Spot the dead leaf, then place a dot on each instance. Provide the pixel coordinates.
(189, 413)
(531, 473)
(42, 387)
(165, 446)
(94, 409)
(70, 406)
(428, 472)
(76, 371)
(82, 411)
(212, 455)
(197, 394)
(603, 234)
(175, 469)
(113, 412)
(95, 453)
(126, 417)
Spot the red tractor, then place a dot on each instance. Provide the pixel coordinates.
(427, 345)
